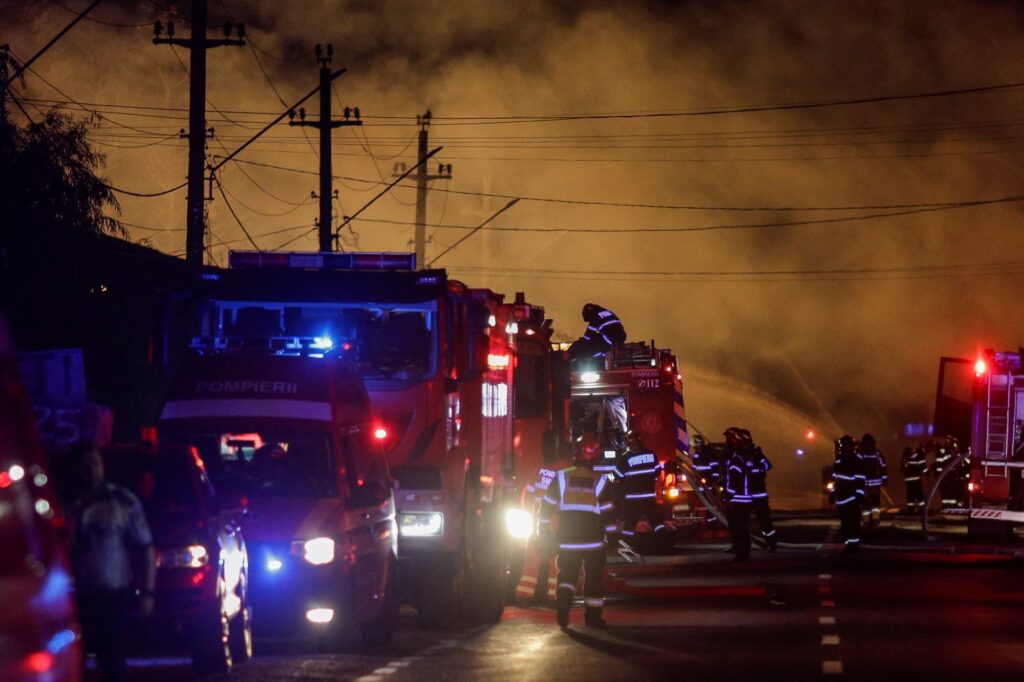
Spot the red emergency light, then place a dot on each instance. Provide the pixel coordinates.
(980, 367)
(380, 433)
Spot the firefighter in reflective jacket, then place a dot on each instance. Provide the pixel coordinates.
(639, 470)
(876, 475)
(533, 497)
(952, 485)
(746, 489)
(914, 464)
(848, 490)
(579, 503)
(604, 330)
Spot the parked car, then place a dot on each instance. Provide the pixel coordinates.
(202, 566)
(39, 635)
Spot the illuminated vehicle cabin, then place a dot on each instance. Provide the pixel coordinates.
(292, 440)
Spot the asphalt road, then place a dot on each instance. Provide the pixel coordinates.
(899, 611)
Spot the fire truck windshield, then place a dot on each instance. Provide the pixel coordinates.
(267, 463)
(385, 341)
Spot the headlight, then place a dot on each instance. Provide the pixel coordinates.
(672, 493)
(318, 551)
(421, 524)
(193, 556)
(519, 523)
(590, 377)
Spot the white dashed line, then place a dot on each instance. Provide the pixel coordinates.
(832, 667)
(387, 670)
(824, 576)
(830, 640)
(369, 678)
(401, 664)
(826, 620)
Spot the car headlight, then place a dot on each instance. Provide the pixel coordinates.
(519, 523)
(421, 524)
(192, 556)
(318, 551)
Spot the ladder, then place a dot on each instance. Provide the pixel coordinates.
(997, 420)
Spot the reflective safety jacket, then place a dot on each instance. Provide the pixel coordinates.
(848, 479)
(539, 485)
(580, 498)
(942, 459)
(639, 472)
(914, 466)
(876, 472)
(604, 330)
(708, 460)
(746, 472)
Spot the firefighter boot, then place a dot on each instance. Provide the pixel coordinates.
(594, 619)
(564, 602)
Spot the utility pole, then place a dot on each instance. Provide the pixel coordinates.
(197, 44)
(325, 125)
(444, 172)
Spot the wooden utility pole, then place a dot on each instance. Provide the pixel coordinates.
(197, 44)
(325, 125)
(444, 172)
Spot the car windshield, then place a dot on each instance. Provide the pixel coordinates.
(267, 462)
(385, 341)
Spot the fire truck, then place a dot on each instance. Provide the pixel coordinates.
(989, 415)
(638, 386)
(439, 368)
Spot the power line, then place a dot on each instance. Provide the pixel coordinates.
(145, 194)
(98, 21)
(677, 207)
(233, 214)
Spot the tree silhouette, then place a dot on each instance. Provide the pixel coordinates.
(51, 179)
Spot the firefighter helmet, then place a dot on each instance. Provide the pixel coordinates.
(867, 440)
(590, 310)
(845, 446)
(588, 448)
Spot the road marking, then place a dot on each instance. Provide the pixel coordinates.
(387, 670)
(832, 667)
(830, 640)
(828, 603)
(826, 620)
(370, 678)
(824, 576)
(401, 664)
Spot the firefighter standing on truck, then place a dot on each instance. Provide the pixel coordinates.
(746, 489)
(638, 469)
(848, 491)
(876, 475)
(578, 499)
(604, 330)
(914, 464)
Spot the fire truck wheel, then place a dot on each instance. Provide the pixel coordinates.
(438, 603)
(381, 630)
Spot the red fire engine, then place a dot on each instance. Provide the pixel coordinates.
(638, 386)
(439, 369)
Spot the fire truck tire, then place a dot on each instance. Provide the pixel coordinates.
(438, 602)
(380, 631)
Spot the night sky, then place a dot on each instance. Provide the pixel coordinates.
(715, 172)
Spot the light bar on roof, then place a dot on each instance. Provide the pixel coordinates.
(304, 260)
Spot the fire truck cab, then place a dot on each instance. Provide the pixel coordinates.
(638, 386)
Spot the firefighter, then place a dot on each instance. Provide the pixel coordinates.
(952, 483)
(638, 469)
(579, 497)
(876, 473)
(703, 463)
(533, 496)
(914, 465)
(746, 490)
(604, 330)
(848, 491)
